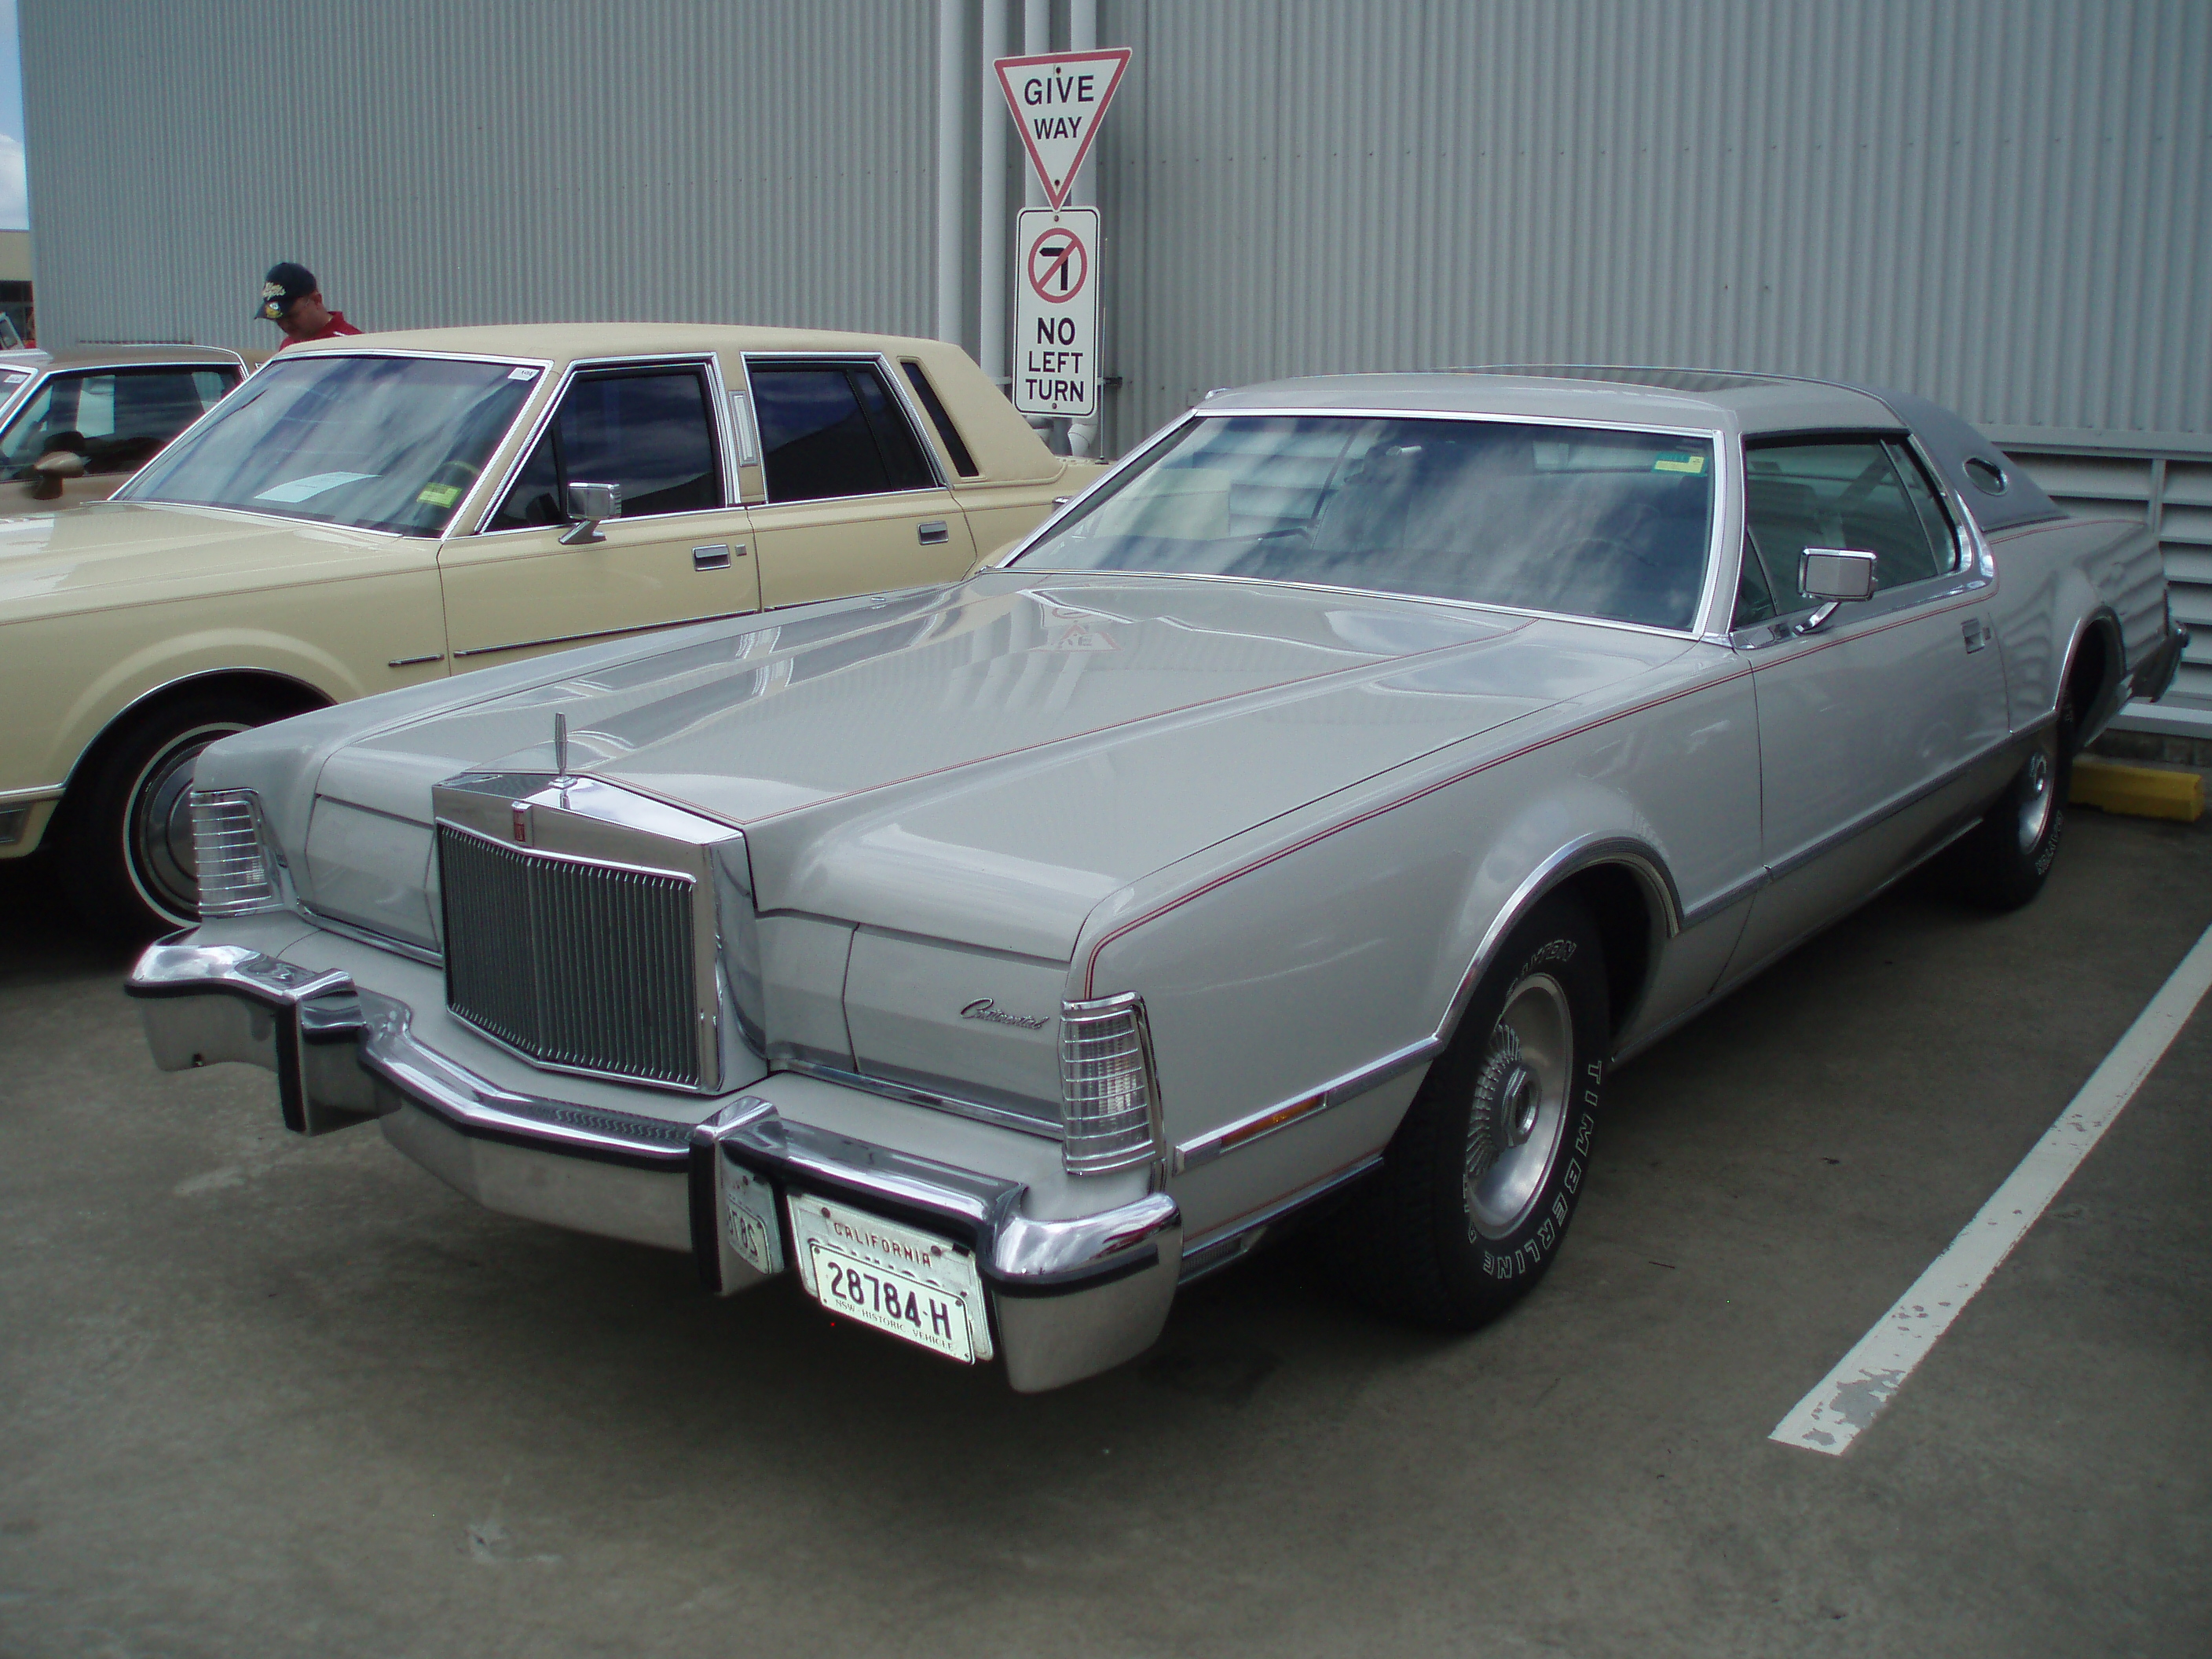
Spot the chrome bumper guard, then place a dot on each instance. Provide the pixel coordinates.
(1067, 1298)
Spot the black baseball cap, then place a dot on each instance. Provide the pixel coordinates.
(285, 282)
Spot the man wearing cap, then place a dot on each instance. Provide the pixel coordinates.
(291, 299)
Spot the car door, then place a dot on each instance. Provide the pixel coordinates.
(1876, 724)
(680, 551)
(113, 420)
(854, 504)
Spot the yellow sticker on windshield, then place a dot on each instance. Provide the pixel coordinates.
(1678, 464)
(447, 495)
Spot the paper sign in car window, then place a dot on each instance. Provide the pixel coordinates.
(1678, 464)
(439, 495)
(307, 488)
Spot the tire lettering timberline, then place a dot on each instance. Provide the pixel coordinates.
(1090, 968)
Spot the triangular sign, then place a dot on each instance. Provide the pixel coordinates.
(1058, 100)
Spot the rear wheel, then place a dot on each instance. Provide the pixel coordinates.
(2001, 862)
(1479, 1182)
(127, 836)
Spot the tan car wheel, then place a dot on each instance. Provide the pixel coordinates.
(127, 837)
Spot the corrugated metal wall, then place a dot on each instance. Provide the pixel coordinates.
(2003, 206)
(2000, 204)
(472, 160)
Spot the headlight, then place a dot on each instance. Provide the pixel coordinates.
(231, 849)
(1109, 1087)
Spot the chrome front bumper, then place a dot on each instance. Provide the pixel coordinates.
(1067, 1298)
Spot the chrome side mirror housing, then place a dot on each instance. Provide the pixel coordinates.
(590, 505)
(1837, 576)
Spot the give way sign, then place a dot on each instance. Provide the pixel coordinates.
(1058, 100)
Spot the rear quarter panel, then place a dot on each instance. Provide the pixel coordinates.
(2052, 579)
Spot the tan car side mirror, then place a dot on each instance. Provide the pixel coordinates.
(590, 505)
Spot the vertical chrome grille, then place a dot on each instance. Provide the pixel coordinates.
(1110, 1093)
(575, 964)
(228, 849)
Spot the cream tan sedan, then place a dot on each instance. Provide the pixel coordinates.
(372, 512)
(74, 424)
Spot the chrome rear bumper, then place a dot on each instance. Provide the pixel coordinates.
(1068, 1298)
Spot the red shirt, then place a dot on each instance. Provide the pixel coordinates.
(333, 330)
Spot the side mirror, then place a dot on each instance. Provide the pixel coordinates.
(59, 464)
(1837, 575)
(590, 505)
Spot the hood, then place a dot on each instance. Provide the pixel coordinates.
(55, 563)
(984, 763)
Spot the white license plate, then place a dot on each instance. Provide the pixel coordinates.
(897, 1279)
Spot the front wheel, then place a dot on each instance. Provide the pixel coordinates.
(127, 840)
(1481, 1181)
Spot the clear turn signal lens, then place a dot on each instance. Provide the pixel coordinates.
(232, 856)
(1109, 1087)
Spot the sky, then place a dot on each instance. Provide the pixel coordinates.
(14, 201)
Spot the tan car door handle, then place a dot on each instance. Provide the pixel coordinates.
(932, 533)
(717, 557)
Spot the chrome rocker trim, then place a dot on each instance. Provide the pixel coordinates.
(1067, 1298)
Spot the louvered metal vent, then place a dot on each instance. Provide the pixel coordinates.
(577, 964)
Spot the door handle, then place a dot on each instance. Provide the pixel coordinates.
(716, 557)
(933, 532)
(1977, 632)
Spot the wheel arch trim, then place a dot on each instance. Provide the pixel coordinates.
(1578, 857)
(124, 716)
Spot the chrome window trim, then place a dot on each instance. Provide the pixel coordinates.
(1714, 544)
(902, 394)
(542, 364)
(544, 418)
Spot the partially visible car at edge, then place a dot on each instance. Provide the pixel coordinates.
(377, 511)
(74, 424)
(1310, 815)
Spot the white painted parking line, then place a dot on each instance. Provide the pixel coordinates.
(1847, 1399)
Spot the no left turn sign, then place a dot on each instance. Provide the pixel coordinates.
(1055, 356)
(1059, 266)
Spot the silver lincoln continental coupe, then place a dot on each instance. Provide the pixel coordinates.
(1307, 816)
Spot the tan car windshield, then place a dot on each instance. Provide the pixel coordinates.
(1578, 520)
(381, 443)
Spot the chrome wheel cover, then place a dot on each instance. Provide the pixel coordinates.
(1518, 1116)
(157, 823)
(2038, 779)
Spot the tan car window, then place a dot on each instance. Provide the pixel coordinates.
(650, 431)
(831, 429)
(116, 419)
(963, 462)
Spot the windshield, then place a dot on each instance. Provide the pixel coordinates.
(1575, 519)
(380, 443)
